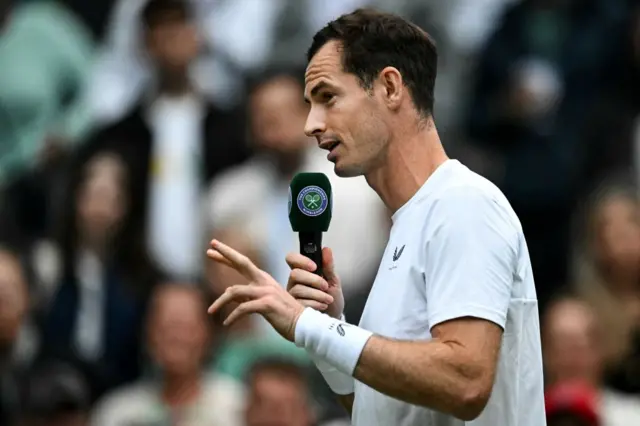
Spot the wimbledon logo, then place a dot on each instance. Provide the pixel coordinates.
(312, 200)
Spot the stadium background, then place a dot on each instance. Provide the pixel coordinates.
(133, 131)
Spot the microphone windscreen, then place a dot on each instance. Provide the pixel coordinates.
(310, 202)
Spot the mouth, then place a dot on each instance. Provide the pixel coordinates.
(329, 145)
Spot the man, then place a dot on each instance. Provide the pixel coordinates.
(174, 140)
(179, 339)
(450, 334)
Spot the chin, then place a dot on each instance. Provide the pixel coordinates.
(347, 171)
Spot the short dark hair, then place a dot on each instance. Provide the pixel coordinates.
(371, 40)
(159, 11)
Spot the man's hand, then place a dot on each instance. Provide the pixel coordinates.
(263, 295)
(309, 289)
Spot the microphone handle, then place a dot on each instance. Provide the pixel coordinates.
(311, 247)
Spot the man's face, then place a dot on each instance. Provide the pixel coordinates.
(277, 400)
(172, 43)
(571, 350)
(346, 119)
(178, 332)
(618, 239)
(278, 115)
(102, 203)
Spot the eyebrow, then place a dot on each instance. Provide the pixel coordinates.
(318, 87)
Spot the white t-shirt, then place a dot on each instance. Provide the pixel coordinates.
(457, 249)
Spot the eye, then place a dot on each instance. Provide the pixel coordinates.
(327, 97)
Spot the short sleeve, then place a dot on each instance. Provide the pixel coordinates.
(471, 257)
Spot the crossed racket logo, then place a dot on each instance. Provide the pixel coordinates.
(312, 201)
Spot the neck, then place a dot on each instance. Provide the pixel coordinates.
(411, 160)
(174, 82)
(95, 246)
(178, 390)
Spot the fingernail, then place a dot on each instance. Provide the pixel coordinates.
(215, 243)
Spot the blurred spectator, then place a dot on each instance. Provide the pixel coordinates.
(536, 78)
(46, 56)
(278, 395)
(574, 365)
(227, 50)
(360, 222)
(608, 276)
(55, 394)
(94, 280)
(179, 336)
(174, 143)
(13, 310)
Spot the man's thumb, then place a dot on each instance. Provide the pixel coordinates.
(328, 267)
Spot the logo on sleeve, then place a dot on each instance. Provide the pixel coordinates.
(312, 201)
(397, 253)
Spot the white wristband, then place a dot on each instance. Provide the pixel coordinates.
(336, 342)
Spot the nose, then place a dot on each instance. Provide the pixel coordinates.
(316, 122)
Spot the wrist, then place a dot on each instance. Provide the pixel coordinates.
(330, 340)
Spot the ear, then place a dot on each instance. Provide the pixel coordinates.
(392, 85)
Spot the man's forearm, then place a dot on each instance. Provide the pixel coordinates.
(440, 374)
(431, 374)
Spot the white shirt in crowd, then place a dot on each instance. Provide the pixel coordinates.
(176, 184)
(221, 403)
(457, 249)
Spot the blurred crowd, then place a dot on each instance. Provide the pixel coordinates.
(133, 131)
